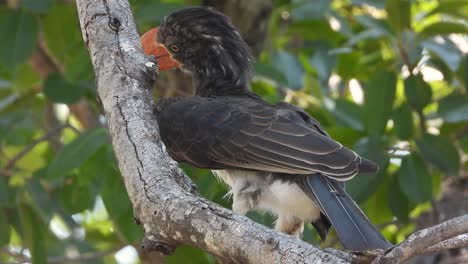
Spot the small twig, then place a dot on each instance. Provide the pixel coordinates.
(455, 242)
(427, 239)
(28, 148)
(422, 122)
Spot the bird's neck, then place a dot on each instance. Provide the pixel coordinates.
(222, 77)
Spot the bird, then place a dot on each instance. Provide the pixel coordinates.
(274, 158)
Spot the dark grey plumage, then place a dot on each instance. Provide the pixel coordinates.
(273, 157)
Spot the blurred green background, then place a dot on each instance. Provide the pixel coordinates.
(386, 78)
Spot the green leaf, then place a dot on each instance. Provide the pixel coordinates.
(154, 12)
(323, 61)
(290, 66)
(59, 90)
(464, 143)
(18, 32)
(398, 202)
(364, 186)
(305, 10)
(76, 153)
(380, 4)
(378, 101)
(75, 198)
(116, 205)
(418, 92)
(38, 6)
(4, 191)
(188, 254)
(458, 8)
(4, 229)
(399, 14)
(440, 152)
(34, 234)
(345, 135)
(127, 226)
(62, 32)
(40, 199)
(463, 72)
(446, 51)
(454, 108)
(269, 71)
(414, 179)
(443, 28)
(348, 113)
(403, 122)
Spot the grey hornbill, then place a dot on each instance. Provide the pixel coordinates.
(274, 157)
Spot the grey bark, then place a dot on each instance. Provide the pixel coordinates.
(448, 234)
(163, 198)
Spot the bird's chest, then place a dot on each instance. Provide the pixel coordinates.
(267, 192)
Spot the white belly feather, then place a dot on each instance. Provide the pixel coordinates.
(261, 192)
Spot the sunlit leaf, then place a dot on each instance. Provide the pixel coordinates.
(440, 152)
(458, 8)
(443, 28)
(414, 179)
(399, 14)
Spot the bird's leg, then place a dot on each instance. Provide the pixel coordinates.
(290, 225)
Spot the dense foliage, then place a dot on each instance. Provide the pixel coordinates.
(386, 78)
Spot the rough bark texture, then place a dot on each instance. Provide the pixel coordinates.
(163, 198)
(438, 237)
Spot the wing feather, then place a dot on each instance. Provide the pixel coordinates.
(240, 133)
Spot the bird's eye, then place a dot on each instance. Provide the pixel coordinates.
(174, 48)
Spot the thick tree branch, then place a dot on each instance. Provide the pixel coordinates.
(162, 196)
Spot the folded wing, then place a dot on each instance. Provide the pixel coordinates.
(250, 134)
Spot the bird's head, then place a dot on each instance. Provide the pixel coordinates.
(204, 42)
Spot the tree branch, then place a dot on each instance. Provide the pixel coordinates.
(162, 196)
(442, 236)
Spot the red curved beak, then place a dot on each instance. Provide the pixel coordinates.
(152, 47)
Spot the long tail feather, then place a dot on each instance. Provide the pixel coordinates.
(352, 226)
